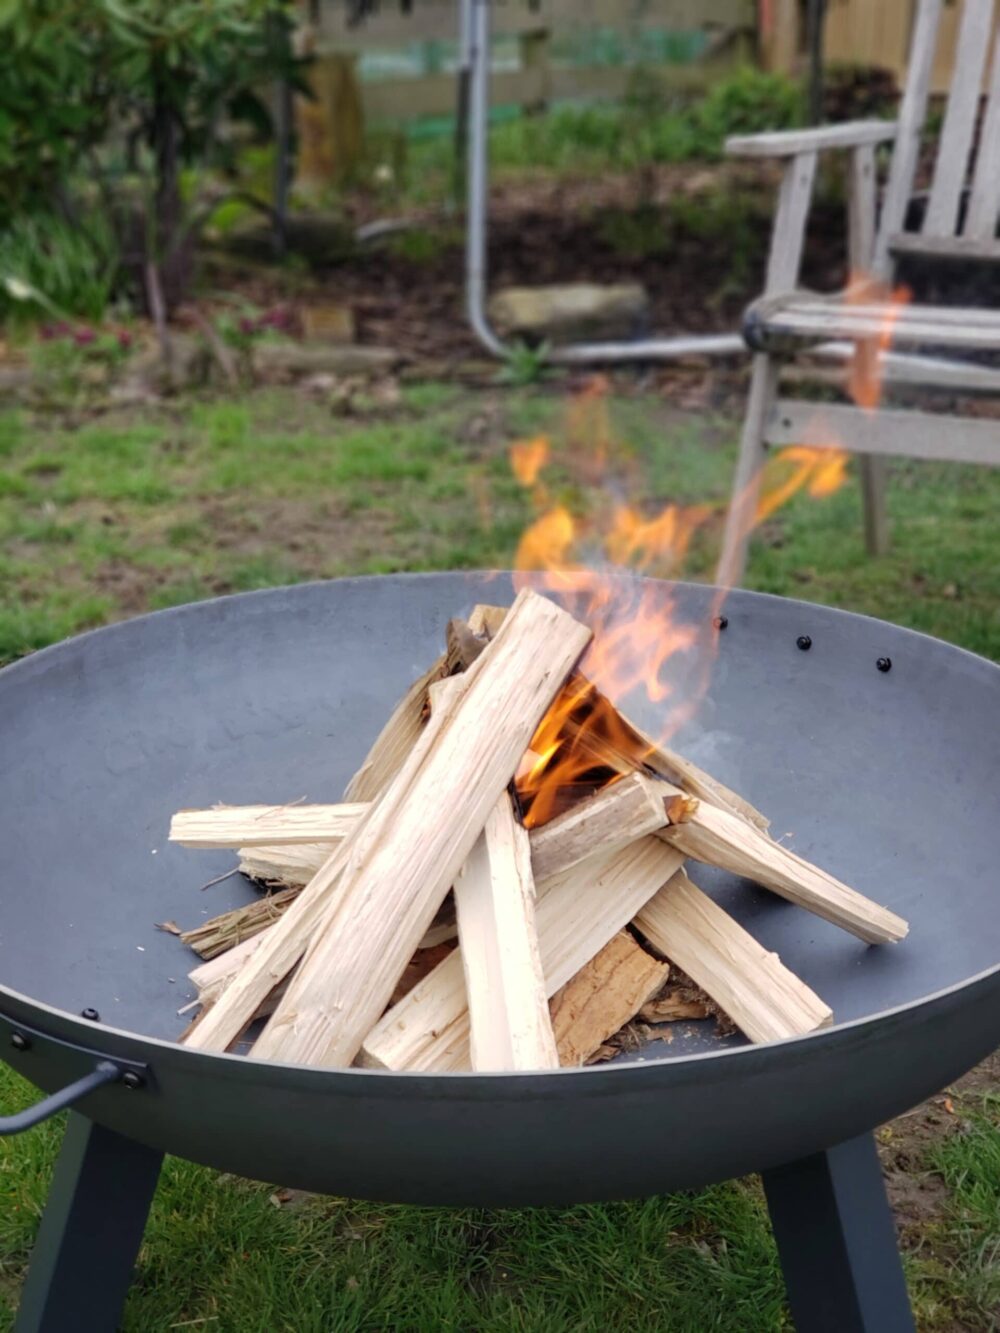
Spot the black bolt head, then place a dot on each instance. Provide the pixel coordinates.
(884, 664)
(720, 622)
(132, 1080)
(91, 1015)
(19, 1041)
(804, 642)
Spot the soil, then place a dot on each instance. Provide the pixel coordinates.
(545, 230)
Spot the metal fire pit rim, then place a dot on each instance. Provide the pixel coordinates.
(461, 1079)
(69, 1024)
(40, 657)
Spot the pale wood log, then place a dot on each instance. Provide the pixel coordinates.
(762, 997)
(604, 995)
(617, 814)
(247, 975)
(211, 978)
(291, 866)
(505, 989)
(220, 934)
(409, 849)
(264, 825)
(399, 735)
(718, 838)
(577, 912)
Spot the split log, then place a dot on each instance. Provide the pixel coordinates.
(397, 867)
(604, 995)
(265, 825)
(221, 934)
(495, 905)
(719, 838)
(397, 738)
(291, 866)
(211, 978)
(618, 814)
(614, 816)
(577, 912)
(762, 997)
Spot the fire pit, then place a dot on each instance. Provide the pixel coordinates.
(874, 747)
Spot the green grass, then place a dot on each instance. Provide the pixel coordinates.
(130, 513)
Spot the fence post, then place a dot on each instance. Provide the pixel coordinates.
(534, 49)
(781, 35)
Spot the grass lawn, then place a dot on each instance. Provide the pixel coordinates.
(126, 512)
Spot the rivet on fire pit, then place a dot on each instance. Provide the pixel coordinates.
(132, 1080)
(720, 622)
(804, 642)
(91, 1014)
(19, 1041)
(884, 664)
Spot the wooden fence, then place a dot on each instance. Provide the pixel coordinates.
(857, 32)
(530, 71)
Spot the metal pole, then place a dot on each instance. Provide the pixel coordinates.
(815, 14)
(475, 19)
(477, 25)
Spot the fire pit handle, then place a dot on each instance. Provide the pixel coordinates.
(104, 1072)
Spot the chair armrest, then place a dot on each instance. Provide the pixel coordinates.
(789, 143)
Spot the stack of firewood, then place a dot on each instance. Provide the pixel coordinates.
(421, 924)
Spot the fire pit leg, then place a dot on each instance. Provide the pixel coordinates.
(81, 1266)
(837, 1242)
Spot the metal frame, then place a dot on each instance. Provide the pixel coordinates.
(475, 48)
(829, 1212)
(92, 1227)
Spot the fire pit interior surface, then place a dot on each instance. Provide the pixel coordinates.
(886, 777)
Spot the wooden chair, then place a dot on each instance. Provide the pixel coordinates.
(959, 222)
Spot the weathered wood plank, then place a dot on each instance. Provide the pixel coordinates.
(894, 432)
(790, 143)
(984, 202)
(951, 164)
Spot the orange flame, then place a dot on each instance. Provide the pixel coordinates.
(642, 640)
(527, 458)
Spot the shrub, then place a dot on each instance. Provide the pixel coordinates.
(51, 267)
(127, 96)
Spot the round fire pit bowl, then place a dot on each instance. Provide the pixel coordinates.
(875, 751)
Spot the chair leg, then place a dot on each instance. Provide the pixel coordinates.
(873, 497)
(746, 482)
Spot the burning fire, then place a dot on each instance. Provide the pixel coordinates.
(593, 551)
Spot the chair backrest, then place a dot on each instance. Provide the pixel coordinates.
(960, 163)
